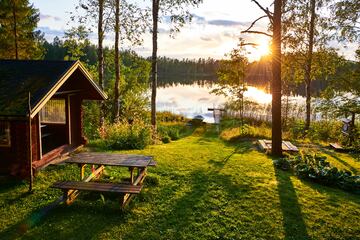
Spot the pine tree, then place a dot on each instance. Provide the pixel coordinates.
(18, 38)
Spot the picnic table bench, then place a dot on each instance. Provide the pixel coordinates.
(98, 161)
(287, 146)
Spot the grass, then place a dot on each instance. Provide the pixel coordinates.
(203, 188)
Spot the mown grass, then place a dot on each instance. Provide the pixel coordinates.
(203, 188)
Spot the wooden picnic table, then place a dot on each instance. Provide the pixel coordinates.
(98, 161)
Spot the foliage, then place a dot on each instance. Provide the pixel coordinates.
(124, 135)
(18, 37)
(133, 87)
(172, 71)
(319, 131)
(317, 169)
(76, 42)
(165, 139)
(170, 131)
(346, 17)
(231, 76)
(90, 119)
(233, 131)
(169, 117)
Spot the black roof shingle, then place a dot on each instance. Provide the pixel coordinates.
(19, 77)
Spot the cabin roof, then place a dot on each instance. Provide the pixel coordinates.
(41, 78)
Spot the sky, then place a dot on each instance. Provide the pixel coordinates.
(214, 31)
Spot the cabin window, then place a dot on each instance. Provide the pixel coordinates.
(54, 112)
(4, 134)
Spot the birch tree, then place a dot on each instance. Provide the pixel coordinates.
(179, 15)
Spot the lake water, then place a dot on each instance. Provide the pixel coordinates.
(195, 99)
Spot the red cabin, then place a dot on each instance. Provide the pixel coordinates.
(56, 90)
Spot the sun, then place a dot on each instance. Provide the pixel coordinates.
(263, 47)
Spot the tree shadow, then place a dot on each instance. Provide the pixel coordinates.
(82, 220)
(337, 158)
(194, 206)
(9, 183)
(293, 222)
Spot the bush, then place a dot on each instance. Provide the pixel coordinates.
(166, 139)
(317, 169)
(319, 130)
(171, 131)
(127, 136)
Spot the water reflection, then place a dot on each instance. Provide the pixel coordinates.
(195, 99)
(189, 100)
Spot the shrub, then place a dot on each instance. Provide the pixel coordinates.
(317, 169)
(166, 139)
(171, 131)
(127, 136)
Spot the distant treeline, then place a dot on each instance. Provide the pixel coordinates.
(186, 71)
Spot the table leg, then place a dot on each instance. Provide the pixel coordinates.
(82, 171)
(131, 175)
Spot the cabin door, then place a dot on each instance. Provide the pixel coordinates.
(74, 120)
(53, 125)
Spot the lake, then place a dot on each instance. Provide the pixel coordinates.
(195, 99)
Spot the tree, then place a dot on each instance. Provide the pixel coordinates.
(178, 17)
(346, 19)
(276, 147)
(130, 22)
(341, 97)
(18, 38)
(96, 12)
(231, 75)
(276, 26)
(76, 41)
(116, 60)
(305, 30)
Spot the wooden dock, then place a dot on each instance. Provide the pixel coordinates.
(287, 146)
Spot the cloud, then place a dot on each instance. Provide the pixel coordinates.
(206, 39)
(49, 17)
(52, 32)
(198, 19)
(225, 23)
(163, 30)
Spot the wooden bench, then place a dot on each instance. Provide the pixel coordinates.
(71, 186)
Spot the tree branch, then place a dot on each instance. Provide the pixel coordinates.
(253, 23)
(257, 32)
(265, 10)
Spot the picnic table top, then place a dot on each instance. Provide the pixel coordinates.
(111, 159)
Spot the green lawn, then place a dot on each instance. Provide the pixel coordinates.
(202, 188)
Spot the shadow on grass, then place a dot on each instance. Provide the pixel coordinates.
(194, 206)
(337, 158)
(82, 220)
(9, 183)
(293, 222)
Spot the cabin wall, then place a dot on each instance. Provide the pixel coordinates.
(14, 160)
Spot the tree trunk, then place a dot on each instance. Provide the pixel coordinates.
(15, 30)
(307, 76)
(276, 137)
(352, 131)
(101, 57)
(116, 61)
(155, 15)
